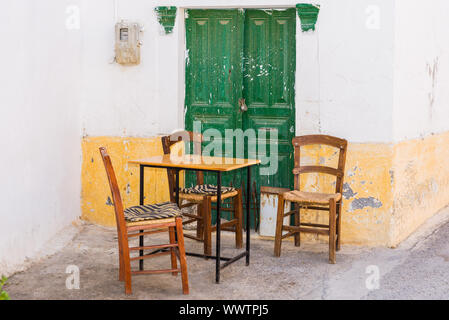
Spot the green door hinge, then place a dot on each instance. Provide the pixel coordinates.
(166, 17)
(308, 14)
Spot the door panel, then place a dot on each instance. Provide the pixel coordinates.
(269, 81)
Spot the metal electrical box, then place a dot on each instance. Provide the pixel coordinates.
(268, 210)
(127, 42)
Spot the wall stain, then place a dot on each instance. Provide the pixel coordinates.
(360, 203)
(432, 70)
(109, 202)
(348, 192)
(391, 172)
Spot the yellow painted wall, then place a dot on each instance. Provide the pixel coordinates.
(421, 175)
(96, 203)
(389, 189)
(367, 202)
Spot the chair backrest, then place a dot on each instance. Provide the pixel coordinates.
(186, 136)
(319, 139)
(115, 191)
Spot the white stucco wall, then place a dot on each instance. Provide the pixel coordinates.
(421, 69)
(343, 83)
(39, 125)
(127, 100)
(344, 72)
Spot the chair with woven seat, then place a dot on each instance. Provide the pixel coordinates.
(331, 202)
(144, 220)
(203, 195)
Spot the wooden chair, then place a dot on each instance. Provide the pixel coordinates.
(144, 220)
(202, 196)
(313, 200)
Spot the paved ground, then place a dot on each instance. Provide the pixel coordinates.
(418, 269)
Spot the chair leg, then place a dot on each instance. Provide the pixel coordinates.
(339, 226)
(121, 272)
(127, 272)
(174, 264)
(279, 221)
(297, 223)
(332, 230)
(239, 216)
(207, 221)
(182, 256)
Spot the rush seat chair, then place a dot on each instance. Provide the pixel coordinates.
(145, 220)
(203, 195)
(331, 202)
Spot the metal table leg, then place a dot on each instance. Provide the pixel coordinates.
(248, 203)
(177, 187)
(176, 195)
(217, 261)
(141, 197)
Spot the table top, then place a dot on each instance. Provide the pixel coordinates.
(196, 162)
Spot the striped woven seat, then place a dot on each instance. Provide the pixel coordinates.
(152, 212)
(206, 189)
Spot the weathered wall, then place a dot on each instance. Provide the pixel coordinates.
(421, 182)
(338, 80)
(338, 83)
(97, 205)
(367, 192)
(344, 75)
(421, 99)
(40, 127)
(421, 69)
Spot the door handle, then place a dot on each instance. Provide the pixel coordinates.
(242, 105)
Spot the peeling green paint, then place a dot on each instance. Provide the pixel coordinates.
(166, 17)
(308, 14)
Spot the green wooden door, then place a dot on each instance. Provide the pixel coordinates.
(250, 54)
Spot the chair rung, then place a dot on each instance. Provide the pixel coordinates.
(313, 208)
(150, 255)
(289, 234)
(192, 237)
(151, 226)
(188, 215)
(157, 246)
(314, 225)
(290, 213)
(146, 233)
(155, 271)
(189, 221)
(186, 205)
(305, 229)
(225, 225)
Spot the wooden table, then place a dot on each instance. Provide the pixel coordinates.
(208, 164)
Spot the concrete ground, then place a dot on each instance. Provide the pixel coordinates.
(417, 269)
